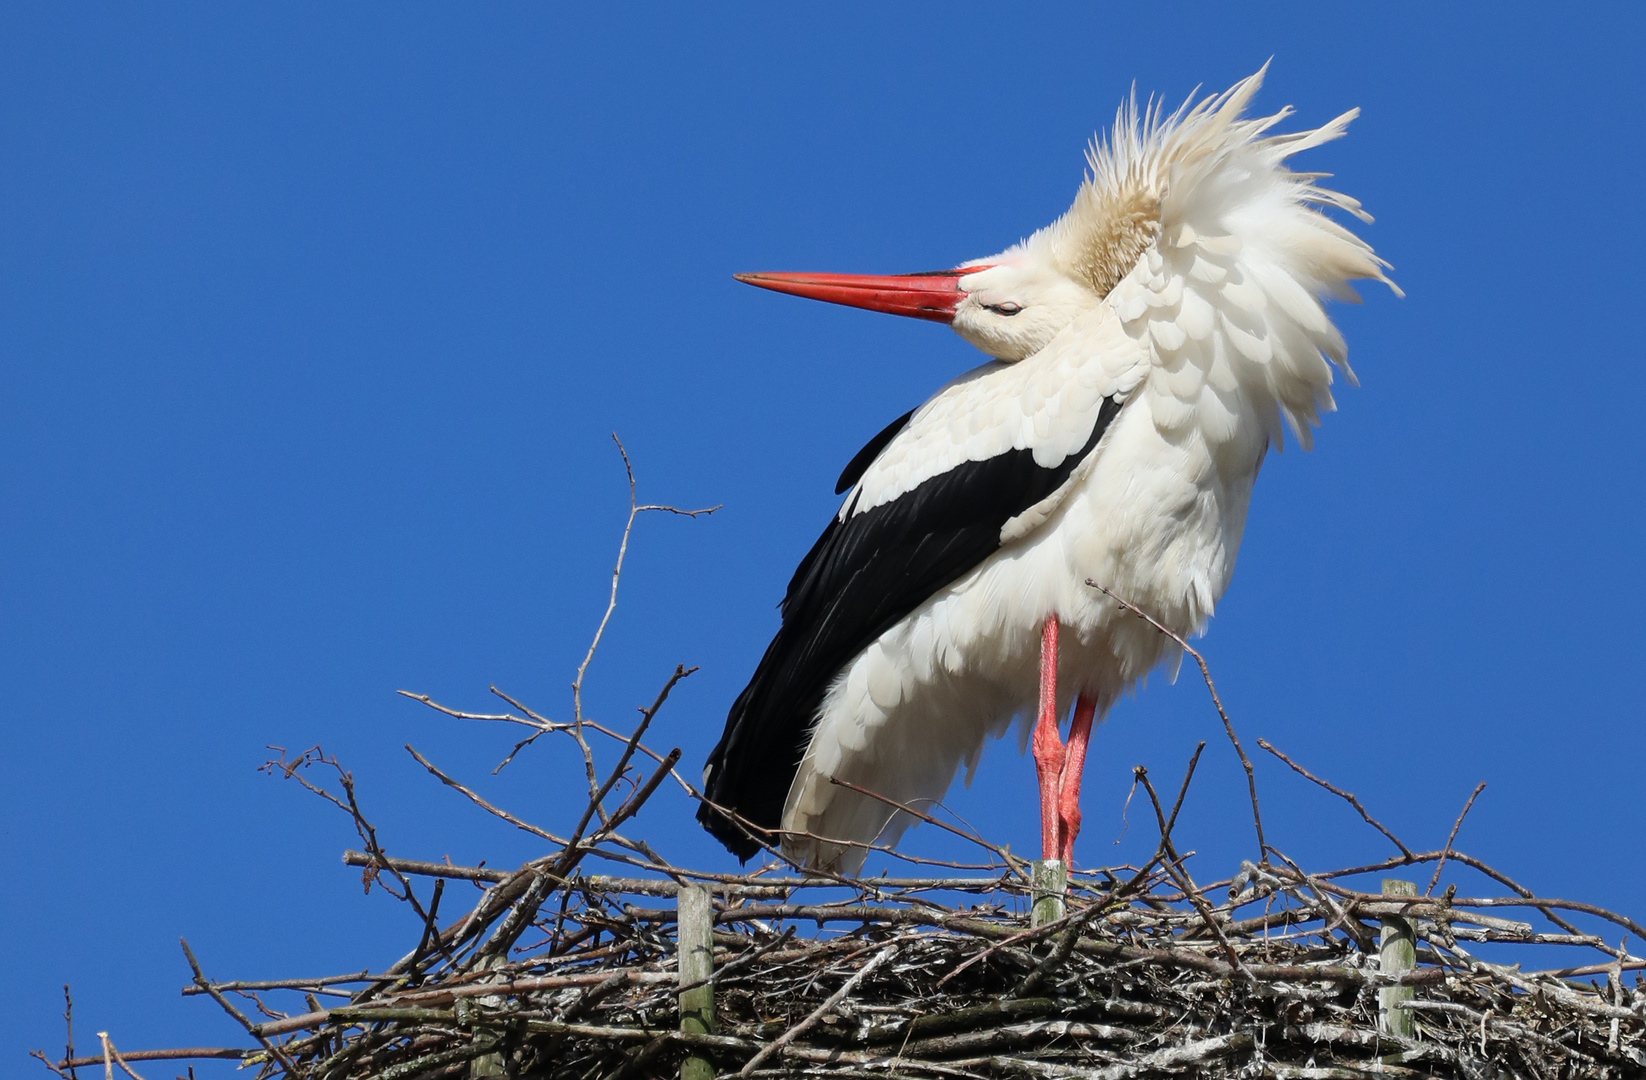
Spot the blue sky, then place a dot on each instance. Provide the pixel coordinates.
(314, 323)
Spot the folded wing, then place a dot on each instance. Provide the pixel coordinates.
(944, 493)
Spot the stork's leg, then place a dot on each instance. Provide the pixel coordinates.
(1048, 748)
(1068, 785)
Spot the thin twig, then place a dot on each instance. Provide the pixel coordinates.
(206, 984)
(293, 768)
(1340, 793)
(618, 770)
(776, 1045)
(1011, 861)
(482, 803)
(543, 725)
(1183, 789)
(1217, 702)
(631, 806)
(68, 1024)
(1456, 825)
(295, 984)
(764, 837)
(1116, 894)
(110, 1051)
(1174, 866)
(611, 605)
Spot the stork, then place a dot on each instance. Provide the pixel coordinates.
(1148, 348)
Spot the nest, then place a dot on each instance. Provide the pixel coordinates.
(1275, 972)
(985, 970)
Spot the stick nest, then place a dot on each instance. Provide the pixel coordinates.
(1272, 972)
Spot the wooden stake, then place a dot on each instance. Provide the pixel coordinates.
(1048, 880)
(488, 1064)
(1397, 951)
(696, 943)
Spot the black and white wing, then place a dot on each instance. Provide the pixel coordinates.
(931, 497)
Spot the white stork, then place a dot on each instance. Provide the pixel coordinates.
(1148, 347)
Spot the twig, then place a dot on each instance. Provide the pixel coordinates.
(1079, 916)
(520, 916)
(543, 725)
(1340, 793)
(1183, 789)
(1075, 919)
(110, 1051)
(1012, 862)
(291, 984)
(292, 770)
(763, 837)
(1217, 702)
(631, 806)
(482, 803)
(68, 1024)
(1174, 866)
(1060, 952)
(611, 605)
(793, 1033)
(558, 866)
(190, 1053)
(1456, 825)
(431, 930)
(205, 984)
(1340, 915)
(618, 770)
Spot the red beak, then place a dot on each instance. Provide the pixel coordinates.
(933, 295)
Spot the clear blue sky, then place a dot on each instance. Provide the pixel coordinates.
(314, 323)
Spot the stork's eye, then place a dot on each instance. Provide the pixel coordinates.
(1008, 308)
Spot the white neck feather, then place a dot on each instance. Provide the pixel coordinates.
(1193, 228)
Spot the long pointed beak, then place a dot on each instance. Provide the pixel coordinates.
(933, 295)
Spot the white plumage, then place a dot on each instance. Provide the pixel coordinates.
(1206, 261)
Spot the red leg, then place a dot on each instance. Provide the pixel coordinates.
(1048, 748)
(1068, 784)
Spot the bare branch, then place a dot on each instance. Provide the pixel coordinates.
(1206, 675)
(482, 803)
(1456, 825)
(998, 852)
(1340, 793)
(205, 984)
(611, 605)
(599, 794)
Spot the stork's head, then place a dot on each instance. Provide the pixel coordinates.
(1012, 304)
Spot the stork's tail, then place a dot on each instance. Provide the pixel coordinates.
(747, 777)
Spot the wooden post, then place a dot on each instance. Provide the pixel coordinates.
(695, 930)
(1048, 880)
(1397, 952)
(488, 1064)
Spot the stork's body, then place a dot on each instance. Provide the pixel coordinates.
(1120, 447)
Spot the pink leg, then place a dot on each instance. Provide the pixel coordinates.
(1068, 784)
(1048, 748)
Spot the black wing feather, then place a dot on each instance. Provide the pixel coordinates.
(860, 462)
(862, 576)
